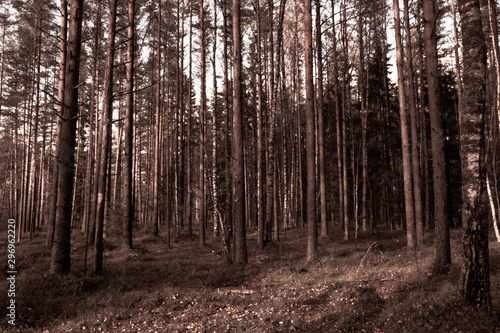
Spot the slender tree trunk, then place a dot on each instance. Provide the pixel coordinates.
(271, 129)
(189, 200)
(93, 128)
(345, 83)
(417, 194)
(425, 161)
(60, 258)
(407, 170)
(203, 104)
(441, 211)
(240, 247)
(312, 236)
(156, 170)
(106, 136)
(227, 120)
(128, 212)
(336, 91)
(60, 98)
(260, 178)
(214, 129)
(300, 187)
(321, 129)
(364, 118)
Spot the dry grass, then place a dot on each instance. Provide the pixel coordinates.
(156, 289)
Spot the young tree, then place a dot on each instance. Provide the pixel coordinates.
(60, 258)
(475, 271)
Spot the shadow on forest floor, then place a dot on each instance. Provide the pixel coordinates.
(371, 284)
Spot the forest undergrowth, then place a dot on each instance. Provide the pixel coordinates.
(372, 284)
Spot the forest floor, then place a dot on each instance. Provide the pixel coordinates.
(367, 285)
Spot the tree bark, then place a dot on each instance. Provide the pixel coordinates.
(203, 105)
(312, 236)
(102, 176)
(240, 248)
(441, 211)
(407, 171)
(60, 107)
(60, 258)
(475, 271)
(418, 227)
(321, 126)
(128, 205)
(260, 178)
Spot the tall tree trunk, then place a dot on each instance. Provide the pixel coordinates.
(271, 128)
(128, 211)
(260, 178)
(60, 258)
(156, 168)
(321, 129)
(364, 118)
(227, 148)
(418, 227)
(60, 98)
(214, 129)
(93, 128)
(240, 247)
(189, 200)
(336, 91)
(106, 138)
(425, 160)
(345, 83)
(300, 187)
(475, 271)
(312, 236)
(407, 171)
(441, 211)
(203, 104)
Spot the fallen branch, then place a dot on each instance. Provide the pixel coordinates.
(364, 257)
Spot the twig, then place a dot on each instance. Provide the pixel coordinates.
(364, 257)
